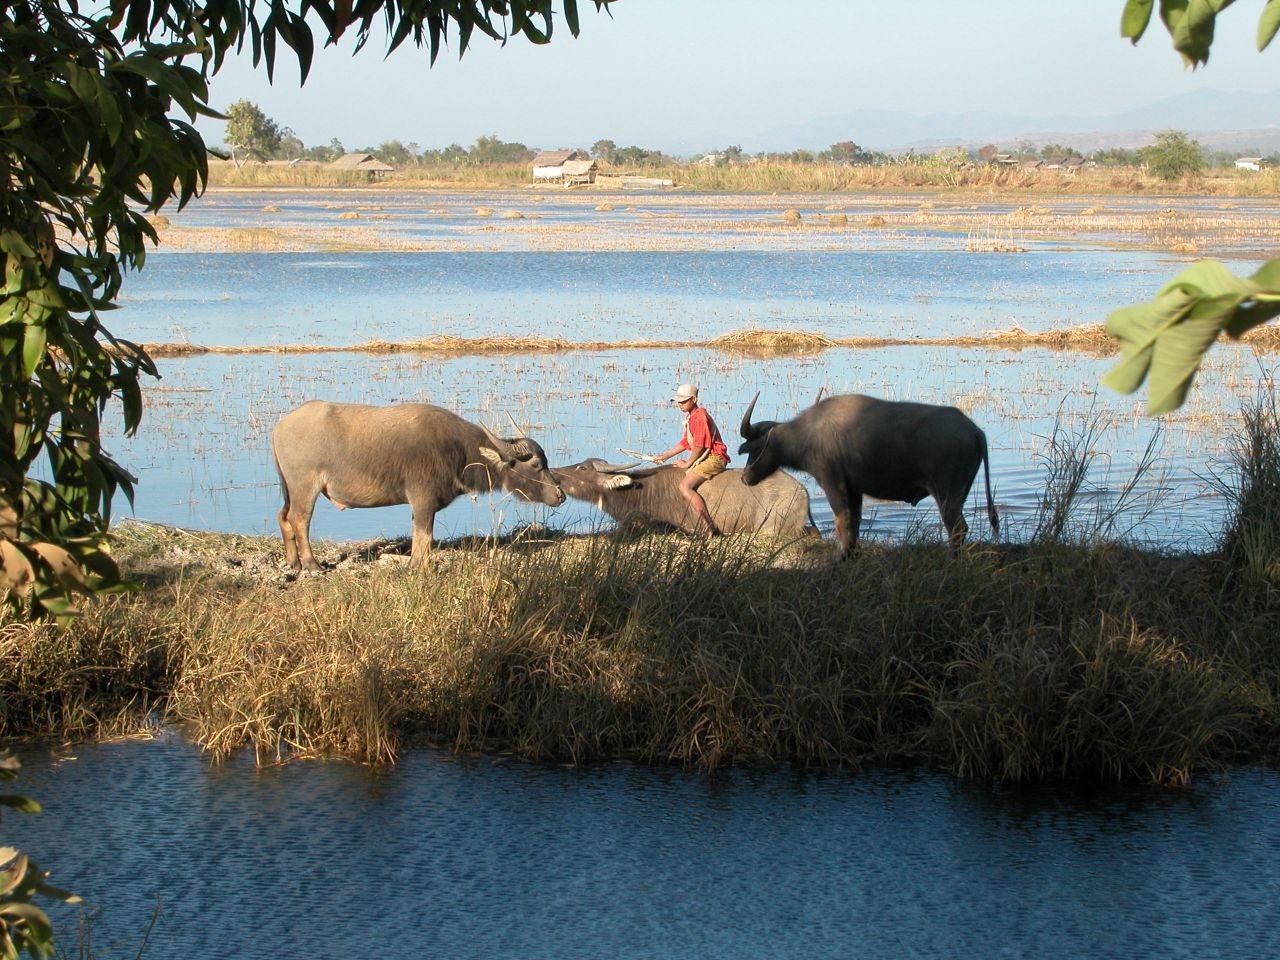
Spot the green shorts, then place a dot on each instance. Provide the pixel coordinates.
(712, 465)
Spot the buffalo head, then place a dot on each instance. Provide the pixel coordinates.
(521, 466)
(585, 480)
(761, 461)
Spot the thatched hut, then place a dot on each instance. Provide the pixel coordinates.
(366, 162)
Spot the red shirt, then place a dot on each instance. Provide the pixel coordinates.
(701, 431)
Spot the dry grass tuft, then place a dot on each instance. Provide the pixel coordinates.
(443, 343)
(1089, 338)
(772, 342)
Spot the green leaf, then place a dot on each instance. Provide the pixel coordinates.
(1268, 23)
(1138, 327)
(21, 804)
(1134, 20)
(1193, 35)
(47, 296)
(33, 345)
(13, 243)
(1164, 341)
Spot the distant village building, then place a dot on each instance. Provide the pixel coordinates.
(712, 160)
(1067, 165)
(365, 162)
(1250, 163)
(550, 164)
(578, 172)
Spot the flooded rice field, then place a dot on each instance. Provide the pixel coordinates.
(282, 273)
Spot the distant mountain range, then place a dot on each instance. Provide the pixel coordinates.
(1221, 120)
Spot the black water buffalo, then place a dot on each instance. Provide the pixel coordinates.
(651, 495)
(855, 445)
(414, 453)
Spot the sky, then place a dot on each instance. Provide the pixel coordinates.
(702, 74)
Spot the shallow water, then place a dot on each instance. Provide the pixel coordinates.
(440, 857)
(203, 459)
(345, 299)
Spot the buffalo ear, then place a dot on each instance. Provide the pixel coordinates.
(618, 481)
(494, 457)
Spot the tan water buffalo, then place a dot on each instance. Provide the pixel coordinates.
(651, 496)
(414, 453)
(855, 445)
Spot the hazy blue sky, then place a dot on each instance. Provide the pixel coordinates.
(712, 72)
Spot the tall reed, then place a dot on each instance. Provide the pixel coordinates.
(1251, 541)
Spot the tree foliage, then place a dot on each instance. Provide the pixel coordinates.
(604, 150)
(492, 150)
(846, 151)
(1164, 341)
(251, 133)
(1174, 155)
(88, 148)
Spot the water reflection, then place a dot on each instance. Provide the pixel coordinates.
(481, 858)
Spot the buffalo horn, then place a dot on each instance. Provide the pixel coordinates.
(519, 432)
(503, 448)
(601, 467)
(746, 429)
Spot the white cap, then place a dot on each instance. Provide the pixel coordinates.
(685, 391)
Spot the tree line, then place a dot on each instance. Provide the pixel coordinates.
(1173, 155)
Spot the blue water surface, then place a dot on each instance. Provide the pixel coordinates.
(447, 857)
(344, 299)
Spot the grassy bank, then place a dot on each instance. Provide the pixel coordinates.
(1066, 657)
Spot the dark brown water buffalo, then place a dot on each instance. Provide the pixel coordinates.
(414, 453)
(855, 445)
(651, 495)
